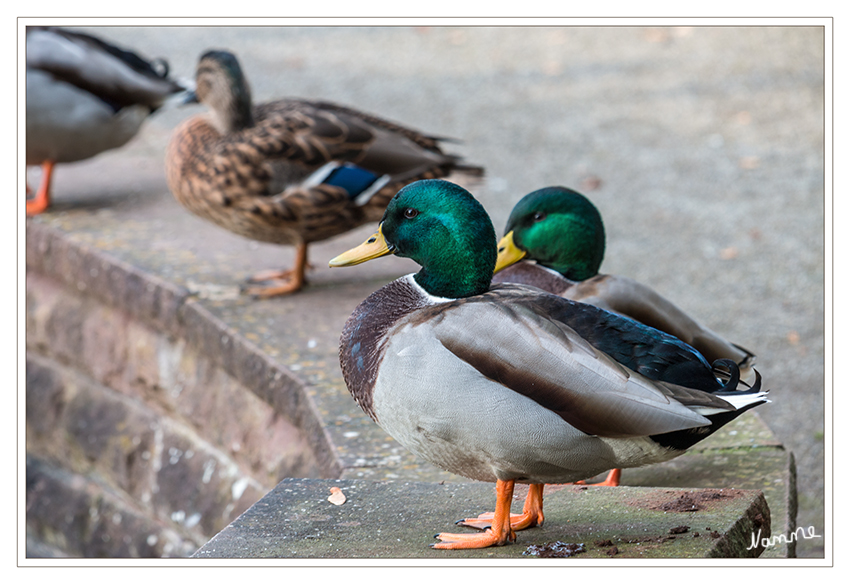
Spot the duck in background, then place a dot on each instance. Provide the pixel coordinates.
(291, 171)
(555, 240)
(85, 96)
(510, 383)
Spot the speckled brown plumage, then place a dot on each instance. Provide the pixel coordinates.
(243, 167)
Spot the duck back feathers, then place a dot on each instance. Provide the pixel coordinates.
(118, 77)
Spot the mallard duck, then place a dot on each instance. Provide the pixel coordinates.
(555, 240)
(291, 171)
(85, 96)
(509, 383)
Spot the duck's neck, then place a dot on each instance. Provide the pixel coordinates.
(578, 270)
(242, 116)
(576, 252)
(232, 117)
(457, 277)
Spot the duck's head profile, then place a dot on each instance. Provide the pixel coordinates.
(223, 88)
(559, 228)
(443, 228)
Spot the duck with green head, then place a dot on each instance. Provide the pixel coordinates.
(555, 240)
(508, 383)
(291, 171)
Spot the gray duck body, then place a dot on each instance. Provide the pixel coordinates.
(490, 388)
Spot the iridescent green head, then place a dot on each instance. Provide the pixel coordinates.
(440, 226)
(560, 229)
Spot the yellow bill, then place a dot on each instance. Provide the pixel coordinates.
(374, 247)
(508, 252)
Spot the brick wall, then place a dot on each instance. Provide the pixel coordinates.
(139, 442)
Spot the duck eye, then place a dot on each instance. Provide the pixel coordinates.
(410, 213)
(539, 216)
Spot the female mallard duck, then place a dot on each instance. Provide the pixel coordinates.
(85, 96)
(291, 171)
(509, 383)
(560, 236)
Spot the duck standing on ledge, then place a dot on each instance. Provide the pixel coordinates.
(509, 383)
(555, 240)
(85, 96)
(291, 171)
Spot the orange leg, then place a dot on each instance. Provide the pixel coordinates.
(281, 282)
(531, 516)
(40, 202)
(612, 480)
(500, 533)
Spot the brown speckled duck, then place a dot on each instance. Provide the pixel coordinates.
(291, 171)
(508, 383)
(85, 96)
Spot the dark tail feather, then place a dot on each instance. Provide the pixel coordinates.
(747, 361)
(727, 370)
(684, 439)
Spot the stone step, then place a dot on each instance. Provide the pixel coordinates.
(397, 519)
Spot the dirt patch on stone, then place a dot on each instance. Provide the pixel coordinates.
(684, 502)
(556, 549)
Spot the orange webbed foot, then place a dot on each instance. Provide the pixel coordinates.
(271, 275)
(280, 282)
(501, 522)
(531, 516)
(470, 541)
(275, 287)
(267, 275)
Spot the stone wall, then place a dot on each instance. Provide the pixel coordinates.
(139, 442)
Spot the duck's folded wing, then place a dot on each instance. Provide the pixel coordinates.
(316, 132)
(295, 131)
(360, 118)
(635, 300)
(548, 362)
(119, 77)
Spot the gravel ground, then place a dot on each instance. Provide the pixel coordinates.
(702, 147)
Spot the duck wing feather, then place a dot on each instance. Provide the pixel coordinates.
(118, 77)
(543, 358)
(640, 302)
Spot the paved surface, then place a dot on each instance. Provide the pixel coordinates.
(703, 149)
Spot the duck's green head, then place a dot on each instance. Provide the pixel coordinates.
(440, 226)
(560, 229)
(221, 86)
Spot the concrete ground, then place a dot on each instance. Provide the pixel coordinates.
(702, 147)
